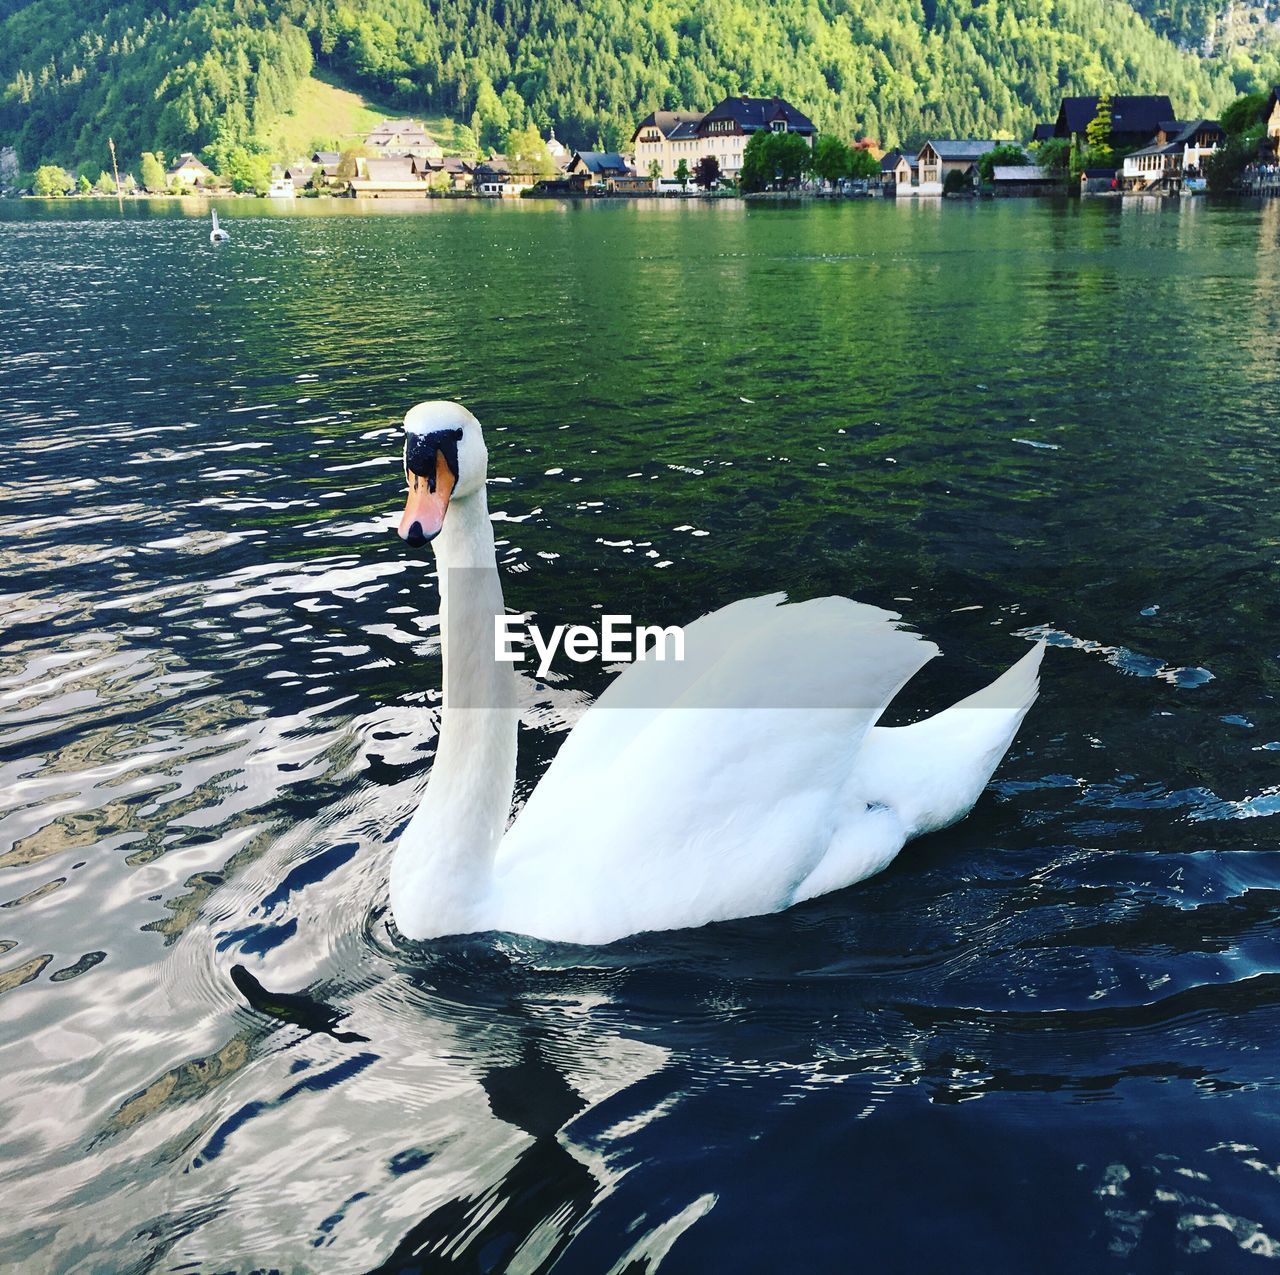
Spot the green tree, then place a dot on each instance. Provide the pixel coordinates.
(682, 172)
(863, 164)
(1224, 169)
(491, 120)
(249, 171)
(655, 170)
(439, 183)
(1054, 154)
(777, 159)
(464, 141)
(706, 172)
(1002, 155)
(83, 185)
(955, 183)
(527, 153)
(152, 173)
(106, 184)
(348, 164)
(51, 180)
(1097, 135)
(832, 158)
(1244, 126)
(1244, 114)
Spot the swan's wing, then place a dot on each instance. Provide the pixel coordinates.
(932, 772)
(718, 799)
(756, 652)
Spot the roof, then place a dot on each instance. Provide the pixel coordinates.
(1021, 173)
(1042, 132)
(687, 129)
(601, 161)
(399, 128)
(667, 122)
(894, 158)
(959, 149)
(304, 171)
(754, 113)
(1130, 115)
(326, 157)
(1185, 130)
(1177, 134)
(188, 160)
(1155, 148)
(386, 169)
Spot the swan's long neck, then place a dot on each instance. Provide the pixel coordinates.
(443, 866)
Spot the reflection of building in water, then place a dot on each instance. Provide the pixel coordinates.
(1259, 332)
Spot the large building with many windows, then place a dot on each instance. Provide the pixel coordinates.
(666, 137)
(722, 132)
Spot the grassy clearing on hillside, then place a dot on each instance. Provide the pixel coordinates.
(327, 112)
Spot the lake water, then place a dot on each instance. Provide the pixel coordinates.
(1046, 1039)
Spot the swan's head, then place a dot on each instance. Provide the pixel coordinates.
(444, 460)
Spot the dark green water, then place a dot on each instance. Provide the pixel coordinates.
(1045, 1039)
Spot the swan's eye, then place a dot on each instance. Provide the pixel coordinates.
(423, 454)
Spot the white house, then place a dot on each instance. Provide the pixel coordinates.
(1175, 155)
(722, 133)
(403, 137)
(726, 129)
(189, 171)
(668, 137)
(943, 155)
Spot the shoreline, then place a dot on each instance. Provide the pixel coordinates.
(198, 203)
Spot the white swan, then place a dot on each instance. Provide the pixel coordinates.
(217, 234)
(685, 794)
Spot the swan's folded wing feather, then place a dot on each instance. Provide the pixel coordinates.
(770, 705)
(932, 772)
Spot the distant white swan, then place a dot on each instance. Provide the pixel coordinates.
(737, 782)
(217, 234)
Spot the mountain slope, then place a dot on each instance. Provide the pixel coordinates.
(185, 74)
(891, 68)
(152, 75)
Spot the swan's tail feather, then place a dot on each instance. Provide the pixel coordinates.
(1014, 690)
(934, 771)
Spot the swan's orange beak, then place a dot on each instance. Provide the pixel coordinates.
(428, 500)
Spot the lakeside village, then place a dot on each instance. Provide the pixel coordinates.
(754, 146)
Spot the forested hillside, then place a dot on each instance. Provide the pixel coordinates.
(1211, 25)
(172, 77)
(188, 74)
